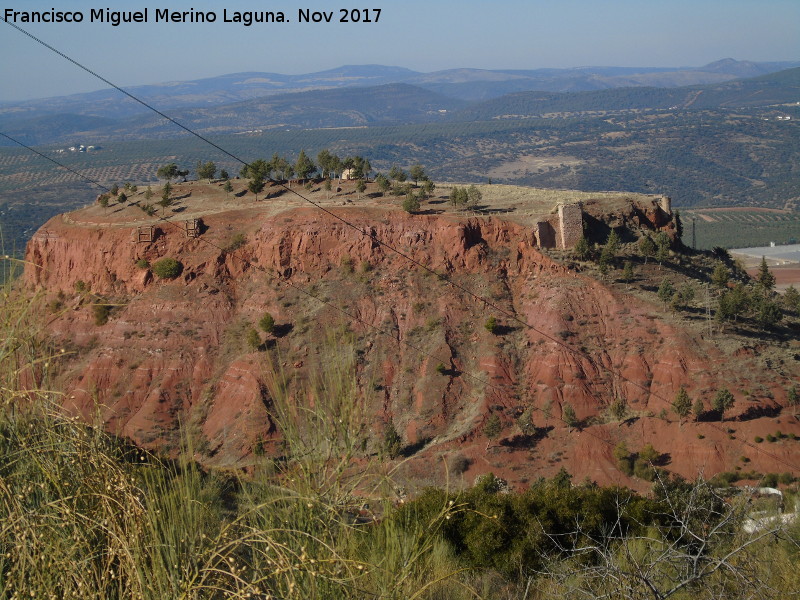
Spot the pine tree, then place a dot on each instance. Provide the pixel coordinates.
(474, 195)
(417, 173)
(722, 402)
(324, 160)
(493, 427)
(206, 170)
(267, 323)
(765, 278)
(411, 203)
(627, 272)
(791, 299)
(253, 339)
(647, 247)
(166, 199)
(662, 247)
(166, 191)
(392, 442)
(698, 409)
(397, 174)
(618, 409)
(304, 166)
(255, 185)
(606, 260)
(228, 187)
(665, 291)
(720, 276)
(582, 248)
(360, 187)
(383, 183)
(612, 244)
(569, 416)
(682, 405)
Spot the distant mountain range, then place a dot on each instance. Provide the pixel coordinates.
(782, 87)
(354, 96)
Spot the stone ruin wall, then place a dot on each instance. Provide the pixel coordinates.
(545, 234)
(570, 225)
(563, 229)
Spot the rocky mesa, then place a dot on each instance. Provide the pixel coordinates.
(408, 297)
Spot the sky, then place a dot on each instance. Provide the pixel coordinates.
(417, 34)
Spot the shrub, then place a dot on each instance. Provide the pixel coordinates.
(236, 242)
(623, 458)
(143, 263)
(100, 313)
(440, 368)
(491, 325)
(618, 409)
(167, 268)
(643, 470)
(411, 203)
(392, 442)
(267, 323)
(758, 439)
(568, 416)
(81, 287)
(770, 480)
(458, 464)
(253, 339)
(493, 427)
(347, 265)
(55, 305)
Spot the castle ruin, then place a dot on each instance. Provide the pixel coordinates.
(565, 225)
(562, 230)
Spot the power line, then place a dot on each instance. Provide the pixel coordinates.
(373, 236)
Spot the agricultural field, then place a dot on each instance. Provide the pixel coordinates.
(740, 227)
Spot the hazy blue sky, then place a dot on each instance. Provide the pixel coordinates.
(421, 35)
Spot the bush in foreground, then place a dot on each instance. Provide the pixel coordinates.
(167, 268)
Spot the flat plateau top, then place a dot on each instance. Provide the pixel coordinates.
(195, 199)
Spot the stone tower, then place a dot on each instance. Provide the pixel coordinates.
(570, 225)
